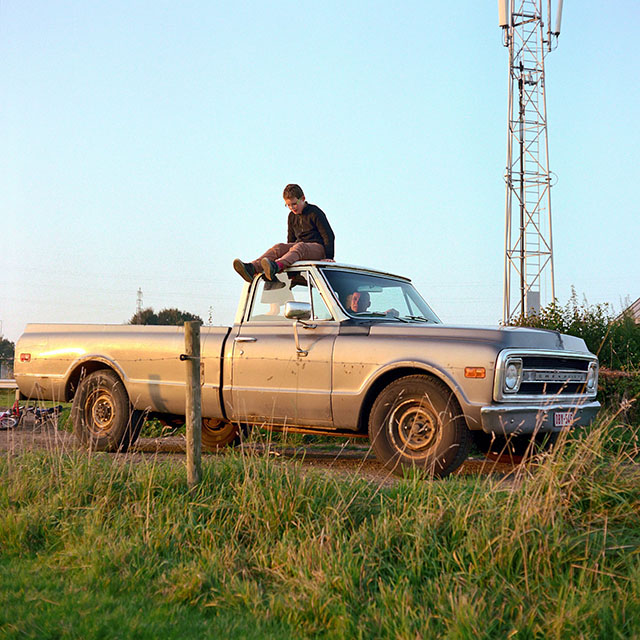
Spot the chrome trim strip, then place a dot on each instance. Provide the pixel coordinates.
(561, 406)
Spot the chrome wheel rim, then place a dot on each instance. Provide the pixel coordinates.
(100, 412)
(413, 427)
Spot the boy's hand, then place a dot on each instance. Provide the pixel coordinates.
(327, 260)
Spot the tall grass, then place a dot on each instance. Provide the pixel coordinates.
(112, 547)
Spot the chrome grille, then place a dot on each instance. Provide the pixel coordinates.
(545, 375)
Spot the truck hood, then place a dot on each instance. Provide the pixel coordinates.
(500, 337)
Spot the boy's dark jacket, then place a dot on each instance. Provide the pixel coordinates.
(311, 226)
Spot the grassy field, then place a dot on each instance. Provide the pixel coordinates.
(7, 398)
(99, 546)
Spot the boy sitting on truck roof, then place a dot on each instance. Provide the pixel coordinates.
(309, 237)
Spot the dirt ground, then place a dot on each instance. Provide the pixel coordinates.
(345, 461)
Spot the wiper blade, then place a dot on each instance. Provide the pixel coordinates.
(380, 314)
(419, 318)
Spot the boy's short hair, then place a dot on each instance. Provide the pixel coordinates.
(292, 191)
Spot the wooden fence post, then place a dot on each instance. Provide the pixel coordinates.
(193, 409)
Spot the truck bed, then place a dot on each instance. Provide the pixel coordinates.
(146, 357)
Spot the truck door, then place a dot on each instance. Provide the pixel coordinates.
(270, 381)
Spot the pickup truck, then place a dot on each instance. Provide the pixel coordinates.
(326, 348)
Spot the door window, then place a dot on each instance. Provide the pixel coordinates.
(270, 297)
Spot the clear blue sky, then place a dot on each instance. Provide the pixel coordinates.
(146, 144)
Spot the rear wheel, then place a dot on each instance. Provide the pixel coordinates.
(417, 422)
(101, 413)
(217, 434)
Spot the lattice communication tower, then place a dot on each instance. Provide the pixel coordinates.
(528, 266)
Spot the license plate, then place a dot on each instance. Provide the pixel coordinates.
(563, 418)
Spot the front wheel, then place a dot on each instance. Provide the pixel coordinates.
(417, 422)
(101, 413)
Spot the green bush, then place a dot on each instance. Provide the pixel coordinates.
(619, 391)
(615, 340)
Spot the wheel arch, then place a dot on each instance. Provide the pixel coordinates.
(389, 375)
(80, 369)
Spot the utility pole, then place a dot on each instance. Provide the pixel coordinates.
(139, 301)
(528, 265)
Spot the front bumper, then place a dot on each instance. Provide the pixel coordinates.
(507, 419)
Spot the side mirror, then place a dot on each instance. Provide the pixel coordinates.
(297, 310)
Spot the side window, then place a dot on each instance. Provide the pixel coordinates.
(304, 289)
(269, 299)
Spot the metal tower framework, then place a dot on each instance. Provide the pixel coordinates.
(528, 266)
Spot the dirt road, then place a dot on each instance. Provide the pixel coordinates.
(345, 459)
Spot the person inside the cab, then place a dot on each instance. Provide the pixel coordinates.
(360, 301)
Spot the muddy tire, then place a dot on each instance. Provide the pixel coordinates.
(217, 434)
(101, 413)
(417, 422)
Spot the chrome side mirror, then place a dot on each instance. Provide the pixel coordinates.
(297, 311)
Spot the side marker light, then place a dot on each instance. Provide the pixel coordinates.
(475, 372)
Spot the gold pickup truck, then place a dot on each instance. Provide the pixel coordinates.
(328, 348)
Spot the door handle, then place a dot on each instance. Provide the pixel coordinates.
(244, 339)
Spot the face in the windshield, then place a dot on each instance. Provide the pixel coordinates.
(358, 301)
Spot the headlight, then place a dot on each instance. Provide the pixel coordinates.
(592, 376)
(513, 375)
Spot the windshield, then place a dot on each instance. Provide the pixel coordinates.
(370, 296)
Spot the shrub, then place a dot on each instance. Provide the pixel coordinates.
(619, 391)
